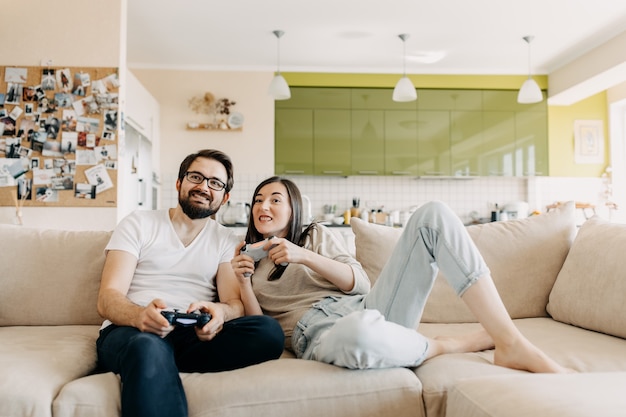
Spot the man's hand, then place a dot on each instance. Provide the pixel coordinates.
(215, 325)
(150, 319)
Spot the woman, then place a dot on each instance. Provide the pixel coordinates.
(321, 296)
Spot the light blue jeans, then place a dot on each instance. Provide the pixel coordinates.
(378, 330)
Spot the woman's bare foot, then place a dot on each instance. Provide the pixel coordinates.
(471, 342)
(525, 356)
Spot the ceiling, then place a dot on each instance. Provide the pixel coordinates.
(361, 36)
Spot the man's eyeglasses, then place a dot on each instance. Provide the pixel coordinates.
(197, 178)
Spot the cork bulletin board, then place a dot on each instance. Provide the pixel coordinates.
(58, 136)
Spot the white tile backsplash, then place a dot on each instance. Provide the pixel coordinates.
(464, 196)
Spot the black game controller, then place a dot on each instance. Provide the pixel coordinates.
(186, 319)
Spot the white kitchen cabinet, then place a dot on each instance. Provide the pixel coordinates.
(139, 153)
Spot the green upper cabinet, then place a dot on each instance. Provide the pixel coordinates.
(499, 143)
(293, 145)
(506, 100)
(517, 143)
(317, 98)
(531, 143)
(368, 142)
(332, 142)
(433, 132)
(381, 137)
(466, 142)
(445, 132)
(450, 100)
(401, 157)
(378, 99)
(449, 131)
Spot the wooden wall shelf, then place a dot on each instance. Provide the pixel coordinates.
(209, 126)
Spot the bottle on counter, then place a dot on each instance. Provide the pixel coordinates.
(495, 214)
(346, 217)
(354, 211)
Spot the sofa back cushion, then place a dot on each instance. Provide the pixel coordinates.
(524, 256)
(50, 277)
(589, 291)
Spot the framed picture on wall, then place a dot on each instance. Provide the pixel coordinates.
(588, 142)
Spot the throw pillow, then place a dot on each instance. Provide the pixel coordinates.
(589, 290)
(50, 277)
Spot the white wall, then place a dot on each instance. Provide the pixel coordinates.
(252, 149)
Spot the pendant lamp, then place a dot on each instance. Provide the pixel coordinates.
(404, 90)
(530, 91)
(279, 89)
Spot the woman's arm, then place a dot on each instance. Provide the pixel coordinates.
(338, 273)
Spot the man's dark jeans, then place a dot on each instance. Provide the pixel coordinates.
(149, 365)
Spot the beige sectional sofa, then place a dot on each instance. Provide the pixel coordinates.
(565, 290)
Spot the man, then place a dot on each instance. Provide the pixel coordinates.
(177, 259)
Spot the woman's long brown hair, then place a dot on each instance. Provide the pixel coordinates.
(295, 234)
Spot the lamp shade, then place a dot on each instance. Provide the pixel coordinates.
(529, 93)
(404, 90)
(279, 89)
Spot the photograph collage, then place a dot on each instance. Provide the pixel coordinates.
(58, 135)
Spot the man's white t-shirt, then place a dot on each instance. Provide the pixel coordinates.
(166, 269)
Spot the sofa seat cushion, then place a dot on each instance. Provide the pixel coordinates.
(573, 347)
(36, 361)
(524, 256)
(545, 395)
(589, 290)
(284, 387)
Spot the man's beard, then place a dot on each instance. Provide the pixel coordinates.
(194, 211)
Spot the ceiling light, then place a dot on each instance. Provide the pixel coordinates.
(404, 90)
(530, 91)
(279, 89)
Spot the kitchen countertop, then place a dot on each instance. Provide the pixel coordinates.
(324, 223)
(327, 225)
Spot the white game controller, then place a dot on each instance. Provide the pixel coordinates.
(256, 251)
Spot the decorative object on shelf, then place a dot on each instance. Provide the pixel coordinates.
(279, 89)
(404, 90)
(220, 110)
(222, 106)
(530, 91)
(203, 104)
(235, 120)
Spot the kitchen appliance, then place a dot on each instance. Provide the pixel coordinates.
(516, 210)
(307, 210)
(236, 214)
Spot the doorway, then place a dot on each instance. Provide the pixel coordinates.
(140, 189)
(617, 180)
